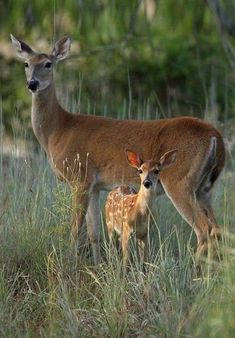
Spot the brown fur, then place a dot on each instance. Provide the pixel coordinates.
(100, 143)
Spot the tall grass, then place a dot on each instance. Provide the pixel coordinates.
(48, 289)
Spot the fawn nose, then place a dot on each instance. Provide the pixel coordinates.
(147, 184)
(33, 84)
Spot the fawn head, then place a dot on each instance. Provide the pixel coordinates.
(39, 66)
(149, 170)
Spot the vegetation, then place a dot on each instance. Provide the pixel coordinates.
(139, 59)
(49, 289)
(169, 55)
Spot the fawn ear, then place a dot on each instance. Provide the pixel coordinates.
(61, 48)
(167, 159)
(133, 159)
(22, 49)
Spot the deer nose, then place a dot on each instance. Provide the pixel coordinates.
(33, 84)
(147, 184)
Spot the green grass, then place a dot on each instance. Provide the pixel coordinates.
(48, 290)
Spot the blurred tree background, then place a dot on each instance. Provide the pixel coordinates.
(161, 57)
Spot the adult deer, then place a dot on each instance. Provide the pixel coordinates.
(65, 136)
(127, 211)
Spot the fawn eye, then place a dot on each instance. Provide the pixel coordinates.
(156, 171)
(140, 171)
(48, 65)
(26, 65)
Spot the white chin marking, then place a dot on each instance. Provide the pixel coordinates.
(33, 91)
(44, 86)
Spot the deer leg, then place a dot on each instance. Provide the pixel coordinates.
(79, 208)
(145, 241)
(143, 247)
(93, 224)
(110, 227)
(214, 231)
(196, 213)
(125, 244)
(204, 199)
(112, 239)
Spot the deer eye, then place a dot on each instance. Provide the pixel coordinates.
(140, 171)
(156, 171)
(48, 65)
(26, 65)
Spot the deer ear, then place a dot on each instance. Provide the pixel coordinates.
(133, 159)
(167, 159)
(22, 49)
(61, 48)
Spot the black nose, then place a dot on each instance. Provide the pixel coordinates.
(147, 184)
(33, 85)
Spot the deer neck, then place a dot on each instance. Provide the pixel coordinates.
(144, 199)
(46, 114)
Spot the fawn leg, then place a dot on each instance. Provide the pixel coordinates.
(143, 245)
(145, 240)
(125, 243)
(144, 249)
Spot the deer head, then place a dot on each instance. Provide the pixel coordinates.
(39, 66)
(149, 170)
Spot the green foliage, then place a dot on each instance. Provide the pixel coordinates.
(168, 53)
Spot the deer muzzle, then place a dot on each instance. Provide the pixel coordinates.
(147, 184)
(33, 85)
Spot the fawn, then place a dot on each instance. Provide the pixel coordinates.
(127, 211)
